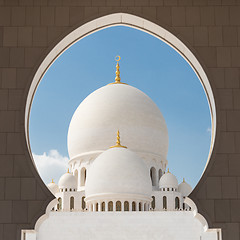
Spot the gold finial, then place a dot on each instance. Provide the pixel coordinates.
(117, 78)
(52, 180)
(68, 170)
(168, 170)
(118, 144)
(183, 179)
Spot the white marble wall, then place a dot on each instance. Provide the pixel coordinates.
(173, 225)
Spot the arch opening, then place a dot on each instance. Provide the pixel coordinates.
(118, 206)
(97, 207)
(153, 202)
(165, 202)
(103, 206)
(134, 22)
(71, 203)
(83, 176)
(177, 203)
(83, 203)
(126, 206)
(110, 206)
(133, 206)
(59, 205)
(153, 175)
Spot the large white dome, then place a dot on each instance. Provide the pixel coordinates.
(117, 106)
(118, 171)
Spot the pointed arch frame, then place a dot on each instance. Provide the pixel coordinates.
(122, 19)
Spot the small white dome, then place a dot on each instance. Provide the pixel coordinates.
(53, 187)
(118, 171)
(184, 188)
(118, 106)
(67, 180)
(168, 180)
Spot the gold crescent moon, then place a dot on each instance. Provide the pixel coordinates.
(117, 58)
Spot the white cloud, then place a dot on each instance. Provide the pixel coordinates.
(51, 165)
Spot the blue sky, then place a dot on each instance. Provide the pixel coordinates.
(146, 63)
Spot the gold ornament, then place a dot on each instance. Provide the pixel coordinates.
(118, 144)
(117, 78)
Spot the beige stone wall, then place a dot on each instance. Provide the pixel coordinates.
(29, 29)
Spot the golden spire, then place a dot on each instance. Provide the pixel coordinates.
(68, 170)
(118, 144)
(183, 179)
(117, 78)
(52, 180)
(168, 170)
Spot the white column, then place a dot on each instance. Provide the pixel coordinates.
(114, 206)
(122, 206)
(130, 206)
(78, 180)
(146, 206)
(142, 206)
(63, 202)
(88, 207)
(94, 207)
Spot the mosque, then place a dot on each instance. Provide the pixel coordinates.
(118, 178)
(117, 185)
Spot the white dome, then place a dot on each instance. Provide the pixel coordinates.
(112, 107)
(168, 180)
(184, 188)
(67, 180)
(53, 187)
(118, 171)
